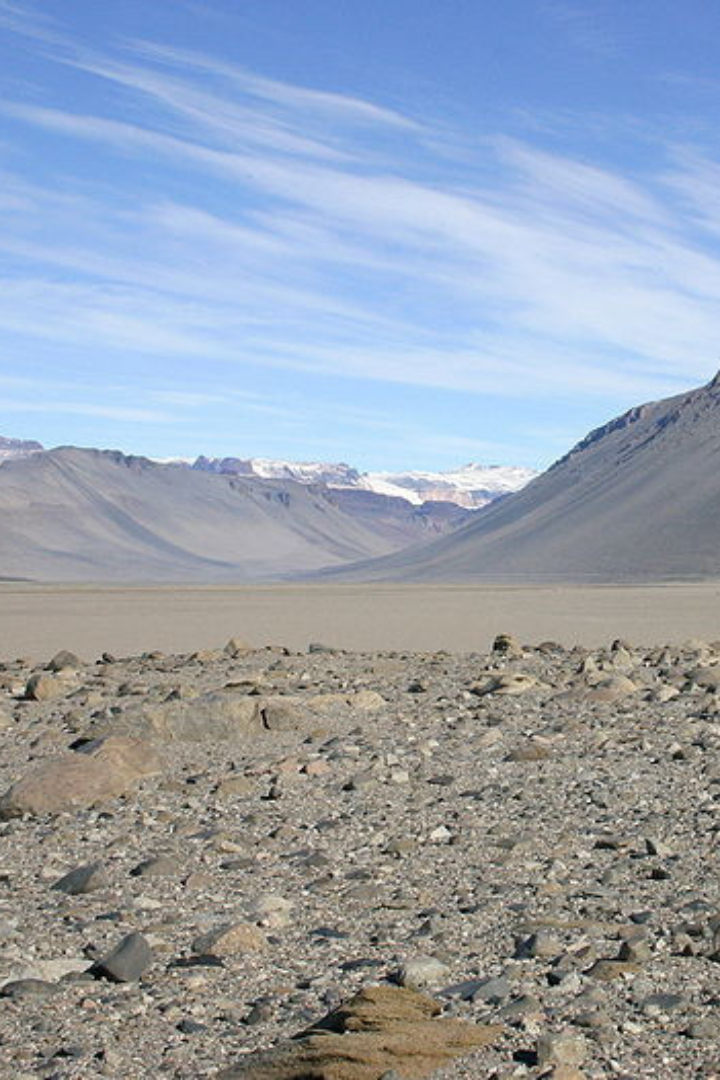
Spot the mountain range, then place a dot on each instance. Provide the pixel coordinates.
(72, 514)
(472, 486)
(89, 515)
(638, 499)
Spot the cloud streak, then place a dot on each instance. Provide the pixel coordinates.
(257, 223)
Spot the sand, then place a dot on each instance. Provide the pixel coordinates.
(37, 620)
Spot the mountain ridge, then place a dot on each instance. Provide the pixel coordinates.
(77, 514)
(637, 499)
(472, 486)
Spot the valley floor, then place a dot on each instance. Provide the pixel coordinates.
(36, 620)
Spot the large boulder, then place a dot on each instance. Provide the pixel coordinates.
(381, 1030)
(225, 714)
(102, 770)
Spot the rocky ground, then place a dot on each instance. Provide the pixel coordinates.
(203, 855)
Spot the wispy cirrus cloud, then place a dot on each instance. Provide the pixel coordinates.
(79, 408)
(253, 222)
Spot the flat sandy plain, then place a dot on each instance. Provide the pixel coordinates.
(37, 620)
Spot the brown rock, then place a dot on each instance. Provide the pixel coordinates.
(317, 768)
(231, 939)
(382, 1029)
(509, 684)
(507, 645)
(612, 689)
(104, 770)
(363, 701)
(284, 713)
(230, 786)
(42, 687)
(237, 647)
(607, 970)
(529, 751)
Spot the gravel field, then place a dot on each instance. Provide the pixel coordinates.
(528, 835)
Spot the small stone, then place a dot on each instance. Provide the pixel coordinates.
(657, 1004)
(83, 879)
(566, 1048)
(607, 970)
(492, 991)
(231, 786)
(273, 910)
(529, 751)
(231, 939)
(317, 768)
(259, 1013)
(127, 961)
(44, 687)
(359, 782)
(422, 971)
(637, 952)
(507, 645)
(191, 1027)
(64, 661)
(237, 647)
(24, 988)
(704, 1029)
(541, 945)
(158, 866)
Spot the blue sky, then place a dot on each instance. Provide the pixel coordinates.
(400, 233)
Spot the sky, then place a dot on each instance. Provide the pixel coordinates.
(398, 233)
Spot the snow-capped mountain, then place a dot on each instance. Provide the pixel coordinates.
(17, 448)
(302, 472)
(471, 486)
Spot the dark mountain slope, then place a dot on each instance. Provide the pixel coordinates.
(637, 500)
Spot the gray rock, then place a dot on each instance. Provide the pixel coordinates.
(25, 988)
(83, 879)
(157, 866)
(64, 661)
(705, 1029)
(422, 971)
(541, 945)
(566, 1048)
(127, 961)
